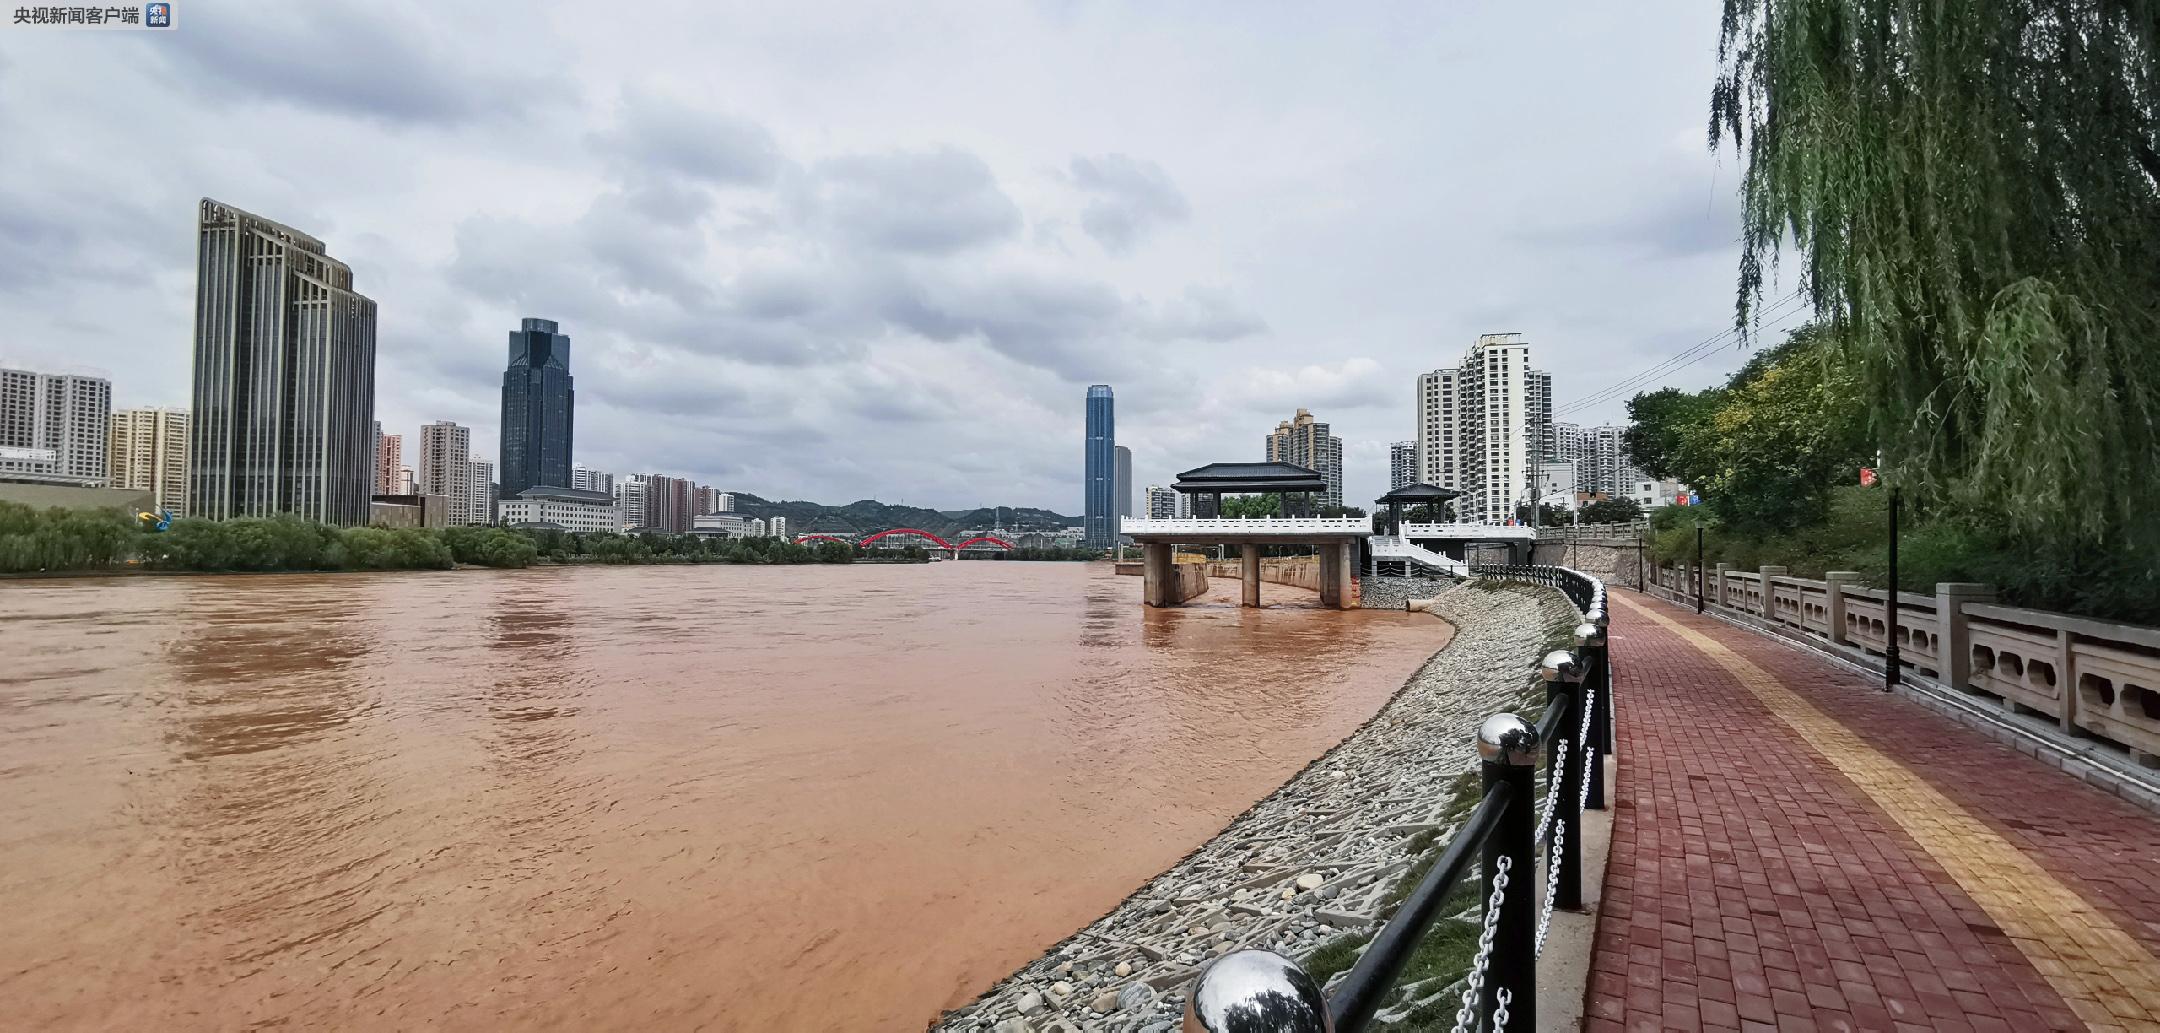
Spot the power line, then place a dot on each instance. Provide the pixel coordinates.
(1782, 309)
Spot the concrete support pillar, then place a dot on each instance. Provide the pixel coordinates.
(1161, 579)
(1953, 643)
(1249, 556)
(1769, 595)
(1346, 576)
(1834, 584)
(1330, 585)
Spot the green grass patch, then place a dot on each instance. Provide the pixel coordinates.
(1336, 955)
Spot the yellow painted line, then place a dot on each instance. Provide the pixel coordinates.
(2106, 976)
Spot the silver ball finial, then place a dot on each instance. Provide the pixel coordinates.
(1560, 665)
(1588, 634)
(1507, 739)
(1255, 991)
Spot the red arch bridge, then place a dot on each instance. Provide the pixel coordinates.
(983, 540)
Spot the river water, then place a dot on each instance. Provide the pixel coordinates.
(638, 797)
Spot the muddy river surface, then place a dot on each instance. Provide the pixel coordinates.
(604, 798)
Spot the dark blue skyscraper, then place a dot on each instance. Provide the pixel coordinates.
(1101, 527)
(537, 404)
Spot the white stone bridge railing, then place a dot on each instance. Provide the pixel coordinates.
(1482, 532)
(1287, 527)
(2093, 678)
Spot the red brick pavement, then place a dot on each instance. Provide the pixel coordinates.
(1753, 886)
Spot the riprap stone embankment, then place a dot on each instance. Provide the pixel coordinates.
(1319, 856)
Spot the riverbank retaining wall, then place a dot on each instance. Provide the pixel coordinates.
(1295, 571)
(1390, 593)
(1318, 858)
(1613, 561)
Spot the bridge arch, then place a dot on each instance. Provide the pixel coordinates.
(803, 538)
(942, 543)
(990, 538)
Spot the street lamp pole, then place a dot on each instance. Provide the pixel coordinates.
(1698, 565)
(1890, 604)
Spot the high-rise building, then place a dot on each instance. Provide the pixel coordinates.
(1304, 441)
(1600, 454)
(707, 500)
(538, 406)
(668, 504)
(1124, 481)
(481, 491)
(149, 453)
(630, 498)
(1161, 503)
(1483, 426)
(1402, 464)
(1184, 505)
(446, 469)
(778, 525)
(389, 459)
(284, 375)
(584, 479)
(407, 484)
(1099, 521)
(55, 428)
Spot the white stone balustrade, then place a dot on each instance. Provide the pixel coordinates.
(2093, 677)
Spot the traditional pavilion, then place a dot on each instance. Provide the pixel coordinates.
(1208, 484)
(1336, 539)
(1413, 495)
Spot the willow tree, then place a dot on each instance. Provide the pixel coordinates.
(1972, 194)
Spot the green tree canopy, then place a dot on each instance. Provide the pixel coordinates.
(1974, 193)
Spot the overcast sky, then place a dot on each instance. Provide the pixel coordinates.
(836, 252)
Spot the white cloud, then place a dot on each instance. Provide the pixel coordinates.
(836, 252)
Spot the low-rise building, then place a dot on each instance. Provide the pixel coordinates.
(720, 525)
(563, 509)
(409, 510)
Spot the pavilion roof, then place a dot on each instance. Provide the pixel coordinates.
(1249, 479)
(1416, 494)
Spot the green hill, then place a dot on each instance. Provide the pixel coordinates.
(867, 515)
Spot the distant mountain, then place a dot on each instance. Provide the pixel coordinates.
(867, 515)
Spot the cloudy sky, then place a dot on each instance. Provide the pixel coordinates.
(844, 251)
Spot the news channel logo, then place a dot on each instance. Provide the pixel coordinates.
(157, 16)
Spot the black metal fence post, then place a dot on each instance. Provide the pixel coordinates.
(1597, 684)
(1563, 673)
(1508, 747)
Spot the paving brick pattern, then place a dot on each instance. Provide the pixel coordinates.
(1756, 883)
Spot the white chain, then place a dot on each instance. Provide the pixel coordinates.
(1499, 1013)
(1466, 1016)
(1559, 829)
(1552, 791)
(1552, 887)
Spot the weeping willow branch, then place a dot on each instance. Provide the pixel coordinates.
(1972, 189)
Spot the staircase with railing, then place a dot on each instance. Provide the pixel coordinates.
(1389, 549)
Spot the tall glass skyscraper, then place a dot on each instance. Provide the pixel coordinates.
(284, 411)
(1100, 529)
(537, 409)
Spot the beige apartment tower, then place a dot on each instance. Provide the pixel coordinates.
(284, 376)
(149, 453)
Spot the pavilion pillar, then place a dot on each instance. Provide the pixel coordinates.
(1249, 556)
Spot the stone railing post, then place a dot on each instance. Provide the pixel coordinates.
(1718, 596)
(1953, 642)
(1834, 584)
(1769, 592)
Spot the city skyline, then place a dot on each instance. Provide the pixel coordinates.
(911, 289)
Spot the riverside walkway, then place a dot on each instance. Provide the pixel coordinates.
(1795, 849)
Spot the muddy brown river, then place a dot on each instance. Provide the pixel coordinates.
(754, 798)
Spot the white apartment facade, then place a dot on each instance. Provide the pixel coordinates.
(55, 428)
(574, 510)
(1161, 503)
(481, 492)
(148, 452)
(1484, 426)
(445, 468)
